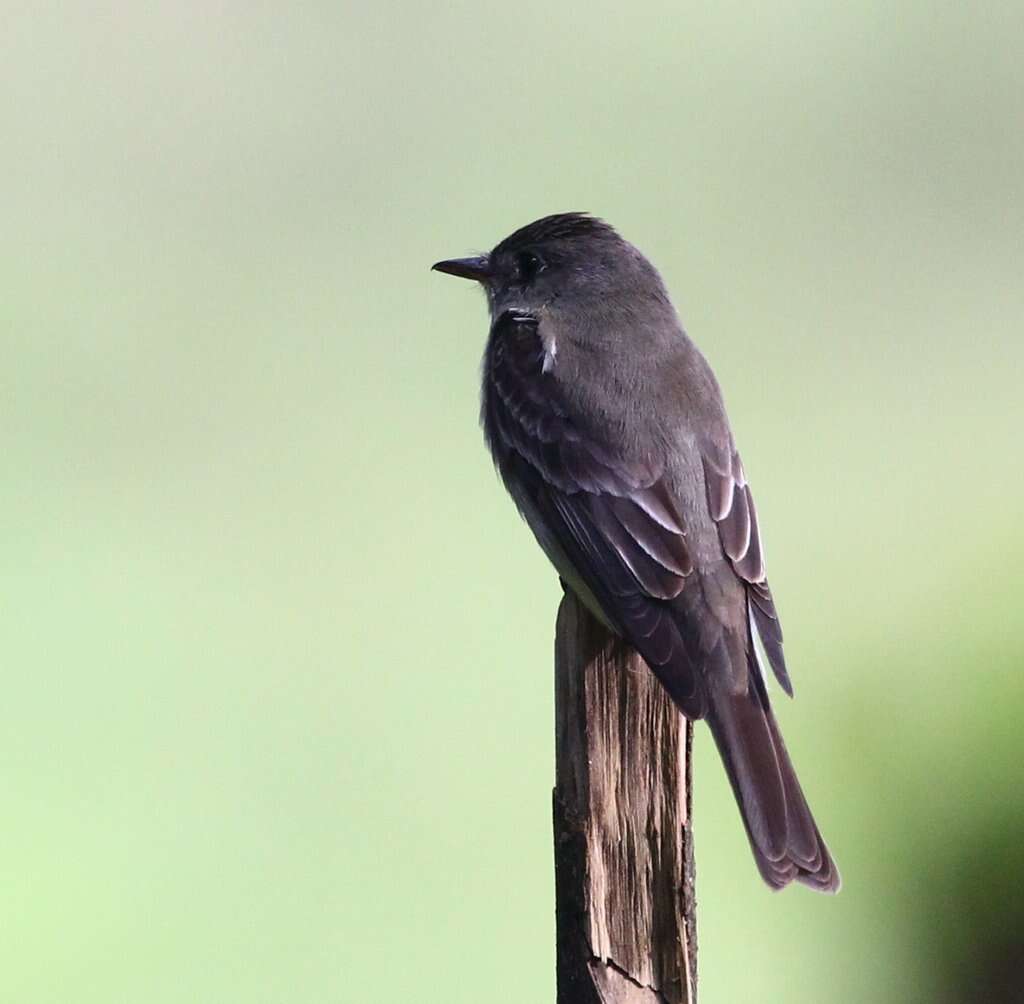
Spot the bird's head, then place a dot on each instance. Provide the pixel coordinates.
(567, 260)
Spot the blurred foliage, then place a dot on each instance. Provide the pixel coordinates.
(973, 900)
(277, 715)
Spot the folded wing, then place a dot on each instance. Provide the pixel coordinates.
(608, 522)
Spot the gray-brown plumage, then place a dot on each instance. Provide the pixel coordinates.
(608, 428)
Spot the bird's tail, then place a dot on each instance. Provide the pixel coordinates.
(783, 835)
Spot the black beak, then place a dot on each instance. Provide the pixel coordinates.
(478, 268)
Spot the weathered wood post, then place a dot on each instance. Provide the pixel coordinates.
(623, 842)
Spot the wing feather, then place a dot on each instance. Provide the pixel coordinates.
(611, 518)
(731, 505)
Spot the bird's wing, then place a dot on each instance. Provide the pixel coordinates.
(732, 508)
(610, 519)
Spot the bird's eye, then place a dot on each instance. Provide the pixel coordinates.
(528, 265)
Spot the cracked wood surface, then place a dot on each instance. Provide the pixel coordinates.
(626, 927)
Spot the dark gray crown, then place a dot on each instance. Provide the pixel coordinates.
(561, 226)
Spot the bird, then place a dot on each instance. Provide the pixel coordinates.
(609, 430)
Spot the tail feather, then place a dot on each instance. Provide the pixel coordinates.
(785, 840)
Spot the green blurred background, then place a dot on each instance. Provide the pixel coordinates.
(277, 711)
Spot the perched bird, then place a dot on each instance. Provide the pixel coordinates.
(609, 431)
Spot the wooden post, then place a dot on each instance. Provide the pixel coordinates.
(623, 842)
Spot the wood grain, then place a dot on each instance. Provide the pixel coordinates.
(626, 927)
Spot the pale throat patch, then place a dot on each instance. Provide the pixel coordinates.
(550, 352)
(550, 343)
